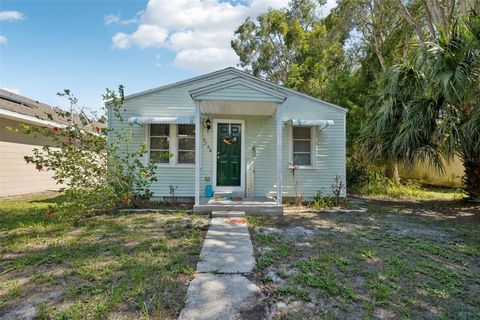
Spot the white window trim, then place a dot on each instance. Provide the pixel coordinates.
(313, 149)
(173, 148)
(176, 149)
(147, 138)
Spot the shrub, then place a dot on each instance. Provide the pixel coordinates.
(321, 202)
(98, 173)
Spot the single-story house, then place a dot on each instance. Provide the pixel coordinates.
(16, 176)
(239, 137)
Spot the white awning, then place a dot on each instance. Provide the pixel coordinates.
(304, 122)
(162, 120)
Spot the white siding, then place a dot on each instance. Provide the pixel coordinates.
(259, 133)
(174, 101)
(237, 92)
(330, 147)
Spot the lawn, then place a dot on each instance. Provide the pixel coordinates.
(119, 266)
(403, 259)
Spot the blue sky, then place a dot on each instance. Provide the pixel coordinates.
(87, 46)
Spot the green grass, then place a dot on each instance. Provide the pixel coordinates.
(407, 189)
(76, 267)
(293, 292)
(281, 249)
(412, 259)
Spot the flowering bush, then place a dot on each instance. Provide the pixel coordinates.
(100, 168)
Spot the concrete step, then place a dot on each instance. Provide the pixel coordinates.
(228, 214)
(249, 209)
(236, 196)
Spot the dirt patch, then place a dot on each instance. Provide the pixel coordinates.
(128, 265)
(27, 308)
(400, 259)
(415, 230)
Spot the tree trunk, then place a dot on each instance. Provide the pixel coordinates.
(411, 21)
(391, 172)
(472, 178)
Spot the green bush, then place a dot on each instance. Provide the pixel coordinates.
(99, 168)
(321, 202)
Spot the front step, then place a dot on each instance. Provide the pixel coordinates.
(228, 194)
(228, 214)
(234, 196)
(273, 210)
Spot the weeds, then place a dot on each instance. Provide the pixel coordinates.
(294, 292)
(378, 185)
(321, 202)
(96, 265)
(403, 259)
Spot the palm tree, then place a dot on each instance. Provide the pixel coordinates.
(387, 112)
(428, 108)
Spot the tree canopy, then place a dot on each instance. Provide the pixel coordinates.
(406, 70)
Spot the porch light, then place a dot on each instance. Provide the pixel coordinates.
(208, 124)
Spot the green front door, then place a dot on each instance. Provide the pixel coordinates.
(229, 149)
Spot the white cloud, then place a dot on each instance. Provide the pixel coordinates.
(115, 19)
(16, 91)
(146, 36)
(198, 31)
(206, 59)
(11, 15)
(3, 39)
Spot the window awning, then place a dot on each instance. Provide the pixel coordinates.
(304, 122)
(162, 120)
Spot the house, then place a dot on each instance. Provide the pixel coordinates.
(238, 135)
(16, 176)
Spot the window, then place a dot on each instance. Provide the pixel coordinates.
(160, 143)
(172, 144)
(302, 146)
(186, 143)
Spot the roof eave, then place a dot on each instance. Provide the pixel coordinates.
(28, 119)
(240, 74)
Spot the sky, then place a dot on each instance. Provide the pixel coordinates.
(87, 46)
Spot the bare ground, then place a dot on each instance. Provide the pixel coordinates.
(401, 259)
(124, 266)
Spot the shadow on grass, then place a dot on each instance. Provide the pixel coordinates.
(407, 259)
(53, 199)
(106, 266)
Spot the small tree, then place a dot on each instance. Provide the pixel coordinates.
(298, 196)
(100, 168)
(173, 199)
(338, 187)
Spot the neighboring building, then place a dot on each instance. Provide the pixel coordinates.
(16, 176)
(451, 176)
(238, 134)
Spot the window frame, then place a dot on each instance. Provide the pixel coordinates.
(177, 146)
(169, 140)
(312, 152)
(173, 141)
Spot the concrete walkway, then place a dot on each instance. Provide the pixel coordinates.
(220, 290)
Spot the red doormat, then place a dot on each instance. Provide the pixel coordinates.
(236, 220)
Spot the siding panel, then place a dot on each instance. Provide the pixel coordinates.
(259, 133)
(237, 92)
(16, 176)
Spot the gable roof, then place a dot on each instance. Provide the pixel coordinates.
(22, 108)
(238, 73)
(274, 95)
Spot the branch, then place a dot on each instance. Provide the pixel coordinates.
(408, 17)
